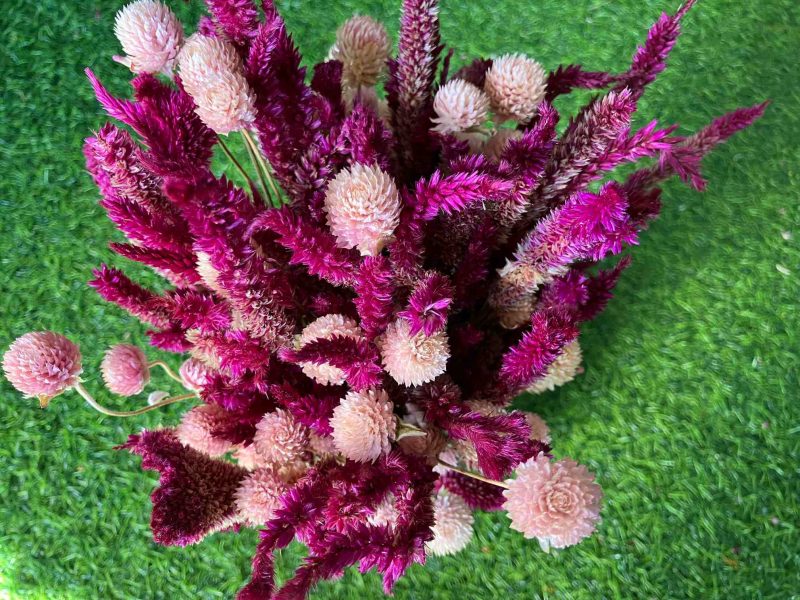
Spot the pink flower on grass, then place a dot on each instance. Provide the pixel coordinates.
(556, 502)
(150, 35)
(259, 495)
(42, 364)
(452, 529)
(280, 438)
(326, 327)
(413, 359)
(362, 46)
(125, 370)
(197, 426)
(364, 425)
(516, 86)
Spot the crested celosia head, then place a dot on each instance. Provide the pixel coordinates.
(556, 502)
(194, 374)
(280, 438)
(562, 370)
(459, 105)
(362, 46)
(413, 359)
(211, 73)
(197, 430)
(452, 529)
(125, 370)
(363, 207)
(364, 425)
(325, 327)
(494, 146)
(539, 429)
(259, 495)
(42, 364)
(150, 35)
(516, 86)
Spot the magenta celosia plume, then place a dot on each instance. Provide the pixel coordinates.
(356, 320)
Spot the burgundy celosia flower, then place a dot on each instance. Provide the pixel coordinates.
(280, 438)
(42, 364)
(364, 425)
(194, 374)
(452, 529)
(151, 36)
(362, 46)
(197, 430)
(125, 370)
(413, 359)
(516, 86)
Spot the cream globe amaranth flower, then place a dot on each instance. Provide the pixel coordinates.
(556, 502)
(42, 364)
(150, 35)
(562, 370)
(259, 495)
(322, 445)
(364, 425)
(197, 426)
(516, 86)
(325, 327)
(452, 527)
(496, 144)
(459, 106)
(194, 374)
(362, 46)
(124, 369)
(413, 359)
(363, 208)
(280, 438)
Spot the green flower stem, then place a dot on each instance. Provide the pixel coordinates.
(167, 370)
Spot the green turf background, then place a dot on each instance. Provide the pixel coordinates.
(688, 410)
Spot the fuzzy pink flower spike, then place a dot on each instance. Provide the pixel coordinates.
(125, 370)
(364, 425)
(150, 35)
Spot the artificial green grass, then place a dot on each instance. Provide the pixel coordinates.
(688, 410)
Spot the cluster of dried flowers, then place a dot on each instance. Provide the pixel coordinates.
(361, 315)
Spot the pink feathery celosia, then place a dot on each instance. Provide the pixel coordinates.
(211, 73)
(42, 364)
(452, 529)
(325, 327)
(259, 495)
(280, 438)
(539, 429)
(413, 359)
(516, 86)
(194, 374)
(562, 370)
(557, 502)
(364, 425)
(494, 146)
(459, 106)
(362, 46)
(125, 370)
(150, 35)
(197, 426)
(363, 207)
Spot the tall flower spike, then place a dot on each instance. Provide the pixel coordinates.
(413, 359)
(42, 364)
(452, 529)
(459, 106)
(516, 86)
(364, 425)
(280, 438)
(362, 46)
(125, 370)
(150, 35)
(324, 328)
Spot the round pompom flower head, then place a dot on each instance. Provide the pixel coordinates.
(259, 494)
(363, 207)
(556, 502)
(562, 370)
(42, 364)
(364, 425)
(459, 105)
(150, 35)
(452, 527)
(362, 46)
(516, 86)
(197, 426)
(413, 359)
(280, 438)
(194, 374)
(125, 370)
(325, 327)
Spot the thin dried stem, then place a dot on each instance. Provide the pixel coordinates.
(237, 164)
(167, 370)
(127, 413)
(264, 172)
(473, 475)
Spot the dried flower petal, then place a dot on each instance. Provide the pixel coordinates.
(125, 370)
(364, 425)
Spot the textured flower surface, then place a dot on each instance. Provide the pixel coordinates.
(516, 86)
(125, 370)
(413, 359)
(259, 494)
(362, 46)
(556, 502)
(452, 529)
(326, 327)
(280, 438)
(539, 429)
(194, 374)
(150, 35)
(497, 143)
(459, 106)
(42, 364)
(197, 430)
(561, 371)
(364, 425)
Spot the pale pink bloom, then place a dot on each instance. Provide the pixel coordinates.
(459, 105)
(259, 495)
(516, 86)
(321, 445)
(385, 513)
(494, 146)
(362, 46)
(363, 207)
(197, 426)
(539, 429)
(203, 348)
(194, 374)
(562, 370)
(413, 359)
(364, 425)
(556, 502)
(248, 458)
(42, 364)
(325, 327)
(208, 273)
(452, 528)
(150, 35)
(280, 438)
(125, 370)
(211, 73)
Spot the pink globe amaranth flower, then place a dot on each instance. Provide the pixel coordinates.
(364, 425)
(413, 359)
(539, 429)
(324, 328)
(150, 35)
(363, 207)
(562, 370)
(247, 457)
(385, 513)
(280, 438)
(557, 503)
(362, 46)
(42, 364)
(125, 370)
(197, 426)
(259, 495)
(194, 374)
(516, 86)
(452, 529)
(211, 73)
(322, 445)
(459, 106)
(496, 144)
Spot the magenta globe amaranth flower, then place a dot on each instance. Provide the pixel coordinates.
(42, 364)
(125, 370)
